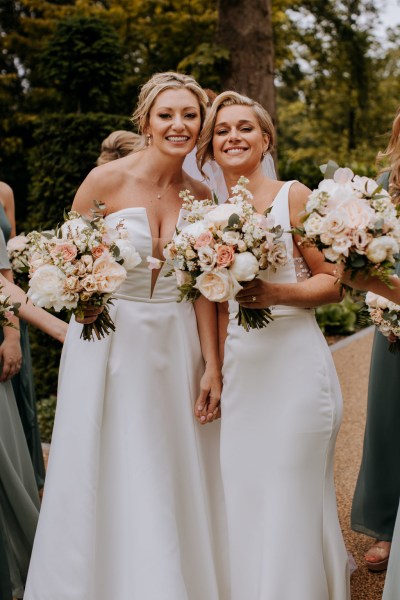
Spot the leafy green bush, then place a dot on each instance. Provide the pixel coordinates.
(343, 318)
(46, 410)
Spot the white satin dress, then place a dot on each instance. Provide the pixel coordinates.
(281, 411)
(133, 504)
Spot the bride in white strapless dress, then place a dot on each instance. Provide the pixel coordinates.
(133, 503)
(281, 403)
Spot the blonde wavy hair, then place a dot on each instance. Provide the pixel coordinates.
(230, 98)
(118, 144)
(159, 83)
(392, 155)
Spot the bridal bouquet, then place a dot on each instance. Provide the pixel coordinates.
(7, 309)
(18, 249)
(222, 247)
(353, 221)
(79, 266)
(386, 316)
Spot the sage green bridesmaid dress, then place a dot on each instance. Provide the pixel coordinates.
(19, 498)
(24, 387)
(377, 493)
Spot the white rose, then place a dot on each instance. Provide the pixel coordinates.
(17, 243)
(245, 267)
(314, 225)
(371, 299)
(331, 255)
(218, 285)
(128, 254)
(182, 277)
(341, 245)
(381, 249)
(109, 274)
(46, 287)
(334, 222)
(219, 216)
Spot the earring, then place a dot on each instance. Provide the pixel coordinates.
(148, 139)
(264, 154)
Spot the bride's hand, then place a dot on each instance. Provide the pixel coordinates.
(90, 314)
(257, 294)
(207, 407)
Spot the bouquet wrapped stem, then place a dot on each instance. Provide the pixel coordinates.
(254, 318)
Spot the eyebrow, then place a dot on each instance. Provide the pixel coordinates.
(239, 122)
(184, 108)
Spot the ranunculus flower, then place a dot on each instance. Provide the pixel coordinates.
(245, 267)
(207, 258)
(128, 254)
(225, 255)
(218, 285)
(219, 216)
(381, 249)
(204, 239)
(108, 273)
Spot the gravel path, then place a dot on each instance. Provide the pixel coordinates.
(352, 358)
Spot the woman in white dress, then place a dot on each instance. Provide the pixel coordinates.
(133, 498)
(281, 402)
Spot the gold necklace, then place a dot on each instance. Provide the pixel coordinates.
(159, 196)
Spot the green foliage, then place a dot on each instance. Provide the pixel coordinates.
(46, 409)
(342, 318)
(65, 150)
(84, 61)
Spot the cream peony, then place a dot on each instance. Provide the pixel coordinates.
(219, 216)
(109, 274)
(218, 285)
(381, 249)
(46, 288)
(357, 213)
(245, 267)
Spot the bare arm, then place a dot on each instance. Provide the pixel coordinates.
(320, 288)
(372, 284)
(33, 314)
(207, 404)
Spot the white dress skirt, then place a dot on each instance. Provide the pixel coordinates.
(133, 502)
(281, 411)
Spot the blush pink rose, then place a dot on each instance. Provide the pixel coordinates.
(225, 256)
(65, 250)
(204, 239)
(97, 251)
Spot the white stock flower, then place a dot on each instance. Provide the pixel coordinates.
(128, 254)
(74, 228)
(218, 285)
(245, 267)
(381, 249)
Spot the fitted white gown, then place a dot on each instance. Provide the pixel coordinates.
(132, 506)
(281, 411)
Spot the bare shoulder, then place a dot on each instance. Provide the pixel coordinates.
(298, 196)
(98, 186)
(6, 193)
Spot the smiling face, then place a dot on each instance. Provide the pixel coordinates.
(238, 141)
(174, 122)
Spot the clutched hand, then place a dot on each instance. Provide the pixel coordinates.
(207, 407)
(10, 358)
(90, 314)
(257, 294)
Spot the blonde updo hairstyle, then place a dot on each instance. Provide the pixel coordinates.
(159, 83)
(392, 155)
(230, 98)
(118, 144)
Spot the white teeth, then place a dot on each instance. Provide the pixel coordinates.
(177, 138)
(234, 150)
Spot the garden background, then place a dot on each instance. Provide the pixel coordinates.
(70, 71)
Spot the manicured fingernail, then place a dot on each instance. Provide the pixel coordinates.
(200, 407)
